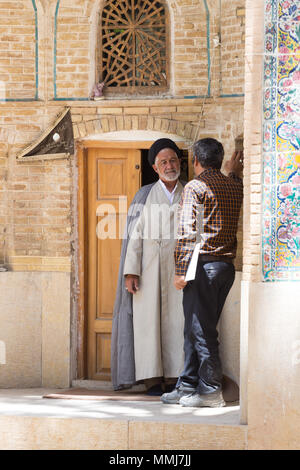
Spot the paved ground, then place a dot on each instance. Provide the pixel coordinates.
(29, 402)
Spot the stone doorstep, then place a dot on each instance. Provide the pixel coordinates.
(29, 422)
(44, 433)
(30, 402)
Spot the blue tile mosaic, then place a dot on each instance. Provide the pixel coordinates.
(281, 142)
(269, 136)
(270, 103)
(271, 10)
(271, 32)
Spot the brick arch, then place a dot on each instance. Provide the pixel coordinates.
(94, 7)
(178, 14)
(74, 73)
(93, 11)
(115, 123)
(143, 68)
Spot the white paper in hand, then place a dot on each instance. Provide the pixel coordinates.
(191, 271)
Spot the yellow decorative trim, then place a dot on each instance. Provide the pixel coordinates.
(39, 263)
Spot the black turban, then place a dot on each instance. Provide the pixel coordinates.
(159, 145)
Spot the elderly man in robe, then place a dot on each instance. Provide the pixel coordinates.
(147, 333)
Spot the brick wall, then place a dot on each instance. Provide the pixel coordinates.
(193, 24)
(221, 23)
(36, 211)
(190, 47)
(62, 38)
(17, 49)
(253, 147)
(232, 50)
(73, 51)
(36, 198)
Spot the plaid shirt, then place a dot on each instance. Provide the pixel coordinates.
(221, 198)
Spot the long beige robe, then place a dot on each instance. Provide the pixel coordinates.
(158, 319)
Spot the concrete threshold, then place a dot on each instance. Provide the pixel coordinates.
(28, 421)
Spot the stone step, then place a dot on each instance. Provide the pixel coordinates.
(30, 422)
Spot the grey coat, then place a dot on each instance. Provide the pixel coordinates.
(122, 349)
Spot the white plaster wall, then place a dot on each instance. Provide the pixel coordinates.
(35, 329)
(20, 329)
(274, 366)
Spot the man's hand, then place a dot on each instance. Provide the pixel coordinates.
(235, 164)
(179, 282)
(132, 283)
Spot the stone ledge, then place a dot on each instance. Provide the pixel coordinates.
(47, 433)
(29, 422)
(39, 263)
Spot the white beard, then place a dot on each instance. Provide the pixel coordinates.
(169, 178)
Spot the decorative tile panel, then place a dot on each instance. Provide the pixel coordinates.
(281, 142)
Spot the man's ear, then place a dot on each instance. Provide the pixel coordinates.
(155, 168)
(198, 168)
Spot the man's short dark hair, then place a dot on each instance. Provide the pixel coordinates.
(209, 153)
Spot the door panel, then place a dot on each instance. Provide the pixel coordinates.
(112, 173)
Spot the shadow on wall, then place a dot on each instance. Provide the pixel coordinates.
(229, 331)
(2, 353)
(239, 142)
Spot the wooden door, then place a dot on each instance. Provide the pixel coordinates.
(111, 174)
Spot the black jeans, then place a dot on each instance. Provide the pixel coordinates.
(203, 301)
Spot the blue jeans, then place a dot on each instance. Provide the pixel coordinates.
(203, 301)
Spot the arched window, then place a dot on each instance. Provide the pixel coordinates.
(134, 46)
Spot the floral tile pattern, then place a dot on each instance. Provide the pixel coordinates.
(271, 10)
(270, 72)
(281, 142)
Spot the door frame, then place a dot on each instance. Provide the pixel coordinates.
(82, 147)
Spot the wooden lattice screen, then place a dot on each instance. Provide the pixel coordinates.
(134, 46)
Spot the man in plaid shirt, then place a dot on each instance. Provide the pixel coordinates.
(220, 199)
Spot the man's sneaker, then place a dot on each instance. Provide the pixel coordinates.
(173, 397)
(213, 400)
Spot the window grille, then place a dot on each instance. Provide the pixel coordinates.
(134, 52)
